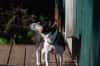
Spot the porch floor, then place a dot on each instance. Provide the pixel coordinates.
(24, 55)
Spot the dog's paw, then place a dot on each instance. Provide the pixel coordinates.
(38, 64)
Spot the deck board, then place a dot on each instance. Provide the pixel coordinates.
(30, 55)
(4, 54)
(52, 58)
(17, 55)
(66, 56)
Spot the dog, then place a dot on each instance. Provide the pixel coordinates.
(37, 39)
(51, 40)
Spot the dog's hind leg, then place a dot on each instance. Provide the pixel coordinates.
(59, 60)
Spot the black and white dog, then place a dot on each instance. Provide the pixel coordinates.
(52, 40)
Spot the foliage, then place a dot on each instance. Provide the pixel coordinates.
(3, 41)
(15, 23)
(29, 34)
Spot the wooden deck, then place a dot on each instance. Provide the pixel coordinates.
(24, 55)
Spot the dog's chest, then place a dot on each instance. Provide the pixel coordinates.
(47, 45)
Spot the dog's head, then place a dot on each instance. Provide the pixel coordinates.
(36, 27)
(43, 27)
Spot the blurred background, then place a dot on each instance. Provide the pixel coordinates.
(16, 15)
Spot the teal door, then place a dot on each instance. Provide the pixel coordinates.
(88, 26)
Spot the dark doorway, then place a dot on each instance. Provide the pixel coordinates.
(96, 32)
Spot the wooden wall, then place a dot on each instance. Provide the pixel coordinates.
(69, 17)
(69, 21)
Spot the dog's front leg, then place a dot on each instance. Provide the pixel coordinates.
(46, 58)
(42, 55)
(38, 57)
